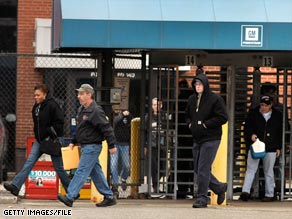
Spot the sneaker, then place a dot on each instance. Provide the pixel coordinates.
(124, 185)
(11, 188)
(221, 195)
(107, 202)
(65, 200)
(244, 196)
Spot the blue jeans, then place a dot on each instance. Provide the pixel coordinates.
(89, 166)
(251, 169)
(33, 157)
(123, 154)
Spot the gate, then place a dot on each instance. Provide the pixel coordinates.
(175, 161)
(164, 87)
(248, 88)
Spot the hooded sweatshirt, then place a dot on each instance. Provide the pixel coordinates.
(206, 119)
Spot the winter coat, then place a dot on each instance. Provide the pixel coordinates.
(157, 133)
(122, 128)
(46, 115)
(206, 121)
(270, 132)
(93, 127)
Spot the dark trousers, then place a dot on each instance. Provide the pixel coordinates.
(157, 171)
(204, 155)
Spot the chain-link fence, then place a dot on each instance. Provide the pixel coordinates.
(63, 74)
(7, 107)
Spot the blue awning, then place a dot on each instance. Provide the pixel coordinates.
(173, 24)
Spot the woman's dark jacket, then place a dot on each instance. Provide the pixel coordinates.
(211, 112)
(46, 115)
(270, 132)
(122, 128)
(157, 125)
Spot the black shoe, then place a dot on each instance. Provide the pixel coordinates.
(124, 185)
(268, 199)
(199, 204)
(107, 202)
(115, 191)
(221, 195)
(244, 196)
(77, 197)
(11, 188)
(65, 200)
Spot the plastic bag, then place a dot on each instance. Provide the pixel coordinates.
(258, 149)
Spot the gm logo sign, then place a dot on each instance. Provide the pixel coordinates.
(252, 35)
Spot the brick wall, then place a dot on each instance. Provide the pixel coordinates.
(27, 76)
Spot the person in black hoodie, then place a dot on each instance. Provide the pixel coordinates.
(122, 130)
(46, 114)
(205, 115)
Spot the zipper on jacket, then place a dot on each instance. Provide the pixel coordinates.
(39, 122)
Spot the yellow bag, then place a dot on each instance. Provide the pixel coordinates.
(70, 157)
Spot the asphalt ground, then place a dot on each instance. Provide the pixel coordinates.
(145, 209)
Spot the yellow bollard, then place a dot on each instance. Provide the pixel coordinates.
(103, 159)
(135, 156)
(219, 167)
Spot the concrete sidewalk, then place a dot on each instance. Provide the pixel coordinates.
(146, 209)
(12, 207)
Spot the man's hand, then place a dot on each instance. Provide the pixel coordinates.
(71, 146)
(254, 137)
(113, 150)
(145, 151)
(278, 152)
(126, 113)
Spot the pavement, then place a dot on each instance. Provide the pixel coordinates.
(12, 207)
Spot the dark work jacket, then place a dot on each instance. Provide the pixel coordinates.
(49, 115)
(122, 129)
(156, 125)
(270, 132)
(211, 112)
(93, 127)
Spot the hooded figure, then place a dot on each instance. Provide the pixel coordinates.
(205, 114)
(210, 114)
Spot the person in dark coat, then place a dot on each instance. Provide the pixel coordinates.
(122, 130)
(263, 123)
(156, 121)
(205, 115)
(92, 129)
(47, 115)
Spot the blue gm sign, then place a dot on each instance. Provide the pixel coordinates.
(252, 35)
